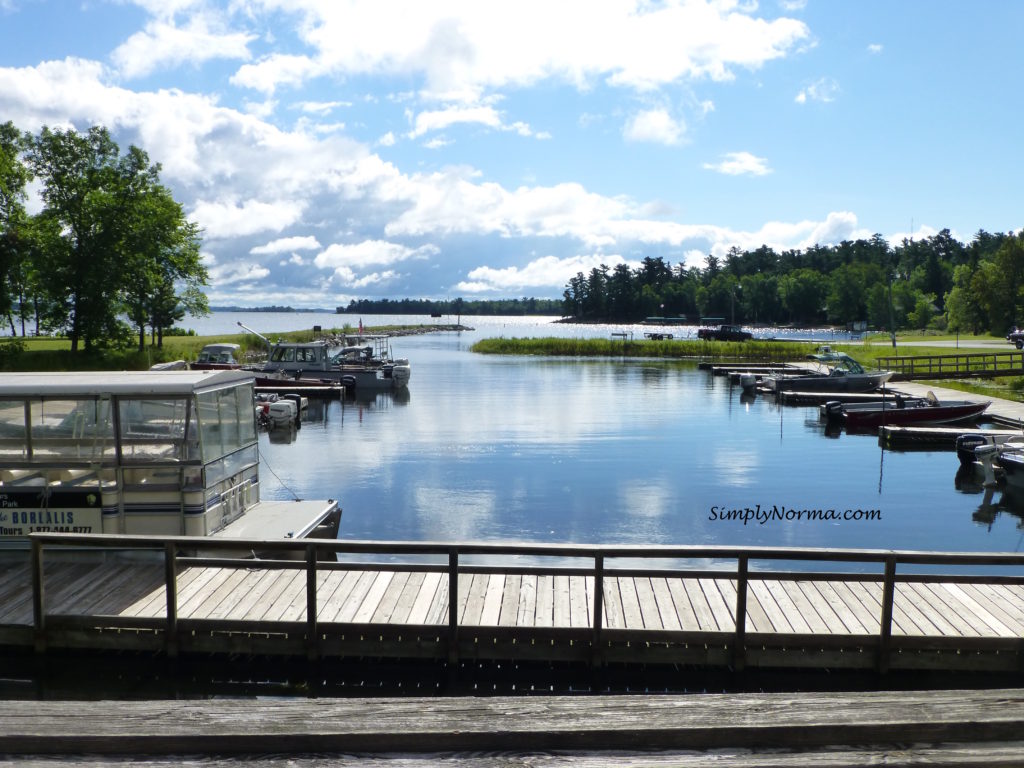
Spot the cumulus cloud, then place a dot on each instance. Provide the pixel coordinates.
(655, 125)
(539, 273)
(237, 272)
(739, 164)
(460, 51)
(220, 219)
(287, 244)
(369, 253)
(163, 44)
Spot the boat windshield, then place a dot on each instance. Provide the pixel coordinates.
(839, 364)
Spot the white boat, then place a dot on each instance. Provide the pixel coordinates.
(837, 372)
(139, 452)
(364, 366)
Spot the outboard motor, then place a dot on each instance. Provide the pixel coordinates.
(987, 454)
(965, 445)
(833, 410)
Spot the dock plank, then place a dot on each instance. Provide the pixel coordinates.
(388, 604)
(681, 602)
(631, 612)
(526, 609)
(705, 617)
(494, 597)
(406, 598)
(355, 597)
(579, 606)
(371, 601)
(509, 611)
(768, 606)
(665, 604)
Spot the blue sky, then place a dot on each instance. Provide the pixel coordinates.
(334, 149)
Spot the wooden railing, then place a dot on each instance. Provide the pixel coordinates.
(455, 559)
(974, 364)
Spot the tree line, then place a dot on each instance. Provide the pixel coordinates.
(110, 254)
(935, 282)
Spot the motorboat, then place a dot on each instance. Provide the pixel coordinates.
(219, 356)
(150, 453)
(364, 366)
(836, 372)
(900, 411)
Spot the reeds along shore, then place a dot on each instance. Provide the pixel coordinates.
(667, 348)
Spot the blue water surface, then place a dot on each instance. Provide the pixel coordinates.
(518, 449)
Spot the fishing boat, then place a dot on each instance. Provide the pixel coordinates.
(216, 357)
(363, 366)
(836, 372)
(139, 452)
(901, 411)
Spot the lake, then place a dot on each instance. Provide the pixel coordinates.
(621, 451)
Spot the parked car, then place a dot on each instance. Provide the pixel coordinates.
(1016, 337)
(724, 333)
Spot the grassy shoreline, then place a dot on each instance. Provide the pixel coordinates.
(53, 354)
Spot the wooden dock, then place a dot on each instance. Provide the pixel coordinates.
(763, 730)
(705, 606)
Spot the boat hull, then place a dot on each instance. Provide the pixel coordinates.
(828, 383)
(891, 414)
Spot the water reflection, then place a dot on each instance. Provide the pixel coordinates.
(624, 451)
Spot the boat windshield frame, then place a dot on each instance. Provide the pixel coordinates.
(839, 364)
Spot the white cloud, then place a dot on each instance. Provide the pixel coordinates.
(875, 48)
(368, 253)
(387, 140)
(740, 163)
(163, 44)
(655, 125)
(286, 244)
(440, 119)
(540, 273)
(320, 107)
(220, 219)
(461, 50)
(824, 89)
(237, 272)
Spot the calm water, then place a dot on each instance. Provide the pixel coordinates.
(623, 451)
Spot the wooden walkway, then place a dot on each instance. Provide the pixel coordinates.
(977, 728)
(462, 607)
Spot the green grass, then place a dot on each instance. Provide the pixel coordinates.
(675, 349)
(54, 354)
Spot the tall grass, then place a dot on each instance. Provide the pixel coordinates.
(683, 348)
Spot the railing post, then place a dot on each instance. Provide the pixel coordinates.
(171, 589)
(885, 630)
(453, 606)
(596, 655)
(38, 597)
(739, 651)
(312, 629)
